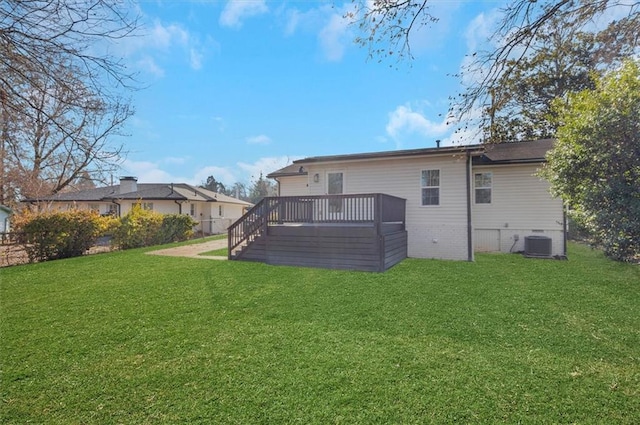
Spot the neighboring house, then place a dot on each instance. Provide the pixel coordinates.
(5, 219)
(214, 211)
(458, 200)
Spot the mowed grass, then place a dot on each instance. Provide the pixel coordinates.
(222, 252)
(132, 338)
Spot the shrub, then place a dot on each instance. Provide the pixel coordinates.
(55, 235)
(138, 228)
(177, 227)
(142, 227)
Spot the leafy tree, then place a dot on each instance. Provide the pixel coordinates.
(261, 188)
(57, 90)
(213, 185)
(238, 190)
(387, 27)
(595, 165)
(562, 60)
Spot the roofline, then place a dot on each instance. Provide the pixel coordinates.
(275, 174)
(392, 154)
(511, 161)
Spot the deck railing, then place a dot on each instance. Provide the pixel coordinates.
(374, 208)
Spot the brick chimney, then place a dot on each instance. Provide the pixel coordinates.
(128, 184)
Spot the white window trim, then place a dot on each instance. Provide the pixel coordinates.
(431, 187)
(490, 187)
(344, 181)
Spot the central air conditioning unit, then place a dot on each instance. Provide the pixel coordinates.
(537, 246)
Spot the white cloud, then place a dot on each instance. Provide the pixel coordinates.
(236, 11)
(265, 166)
(259, 140)
(155, 171)
(479, 30)
(405, 121)
(294, 18)
(148, 64)
(329, 25)
(175, 160)
(334, 37)
(195, 58)
(161, 39)
(147, 172)
(222, 174)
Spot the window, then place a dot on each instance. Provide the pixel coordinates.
(430, 185)
(483, 187)
(220, 211)
(147, 206)
(94, 208)
(192, 210)
(335, 186)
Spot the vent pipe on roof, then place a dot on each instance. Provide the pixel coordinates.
(128, 184)
(438, 143)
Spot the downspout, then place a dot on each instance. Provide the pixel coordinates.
(565, 229)
(179, 204)
(469, 220)
(119, 208)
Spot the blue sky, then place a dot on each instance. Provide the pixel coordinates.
(235, 88)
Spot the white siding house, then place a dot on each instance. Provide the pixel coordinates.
(5, 219)
(213, 211)
(459, 200)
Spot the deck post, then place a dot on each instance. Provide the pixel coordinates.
(378, 212)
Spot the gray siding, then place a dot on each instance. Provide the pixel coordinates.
(335, 247)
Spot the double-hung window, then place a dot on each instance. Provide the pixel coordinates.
(430, 187)
(483, 184)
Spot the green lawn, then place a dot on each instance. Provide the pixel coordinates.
(222, 252)
(132, 338)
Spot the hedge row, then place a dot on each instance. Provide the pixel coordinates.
(55, 235)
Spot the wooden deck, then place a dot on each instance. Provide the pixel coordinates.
(361, 232)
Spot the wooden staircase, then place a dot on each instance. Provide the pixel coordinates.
(356, 232)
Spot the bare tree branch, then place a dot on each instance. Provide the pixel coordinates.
(386, 27)
(61, 101)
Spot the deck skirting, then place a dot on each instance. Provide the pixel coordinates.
(334, 247)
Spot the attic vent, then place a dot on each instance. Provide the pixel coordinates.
(537, 246)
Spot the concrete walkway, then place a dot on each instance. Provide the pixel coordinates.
(193, 250)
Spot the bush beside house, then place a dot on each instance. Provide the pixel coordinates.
(140, 227)
(52, 236)
(56, 235)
